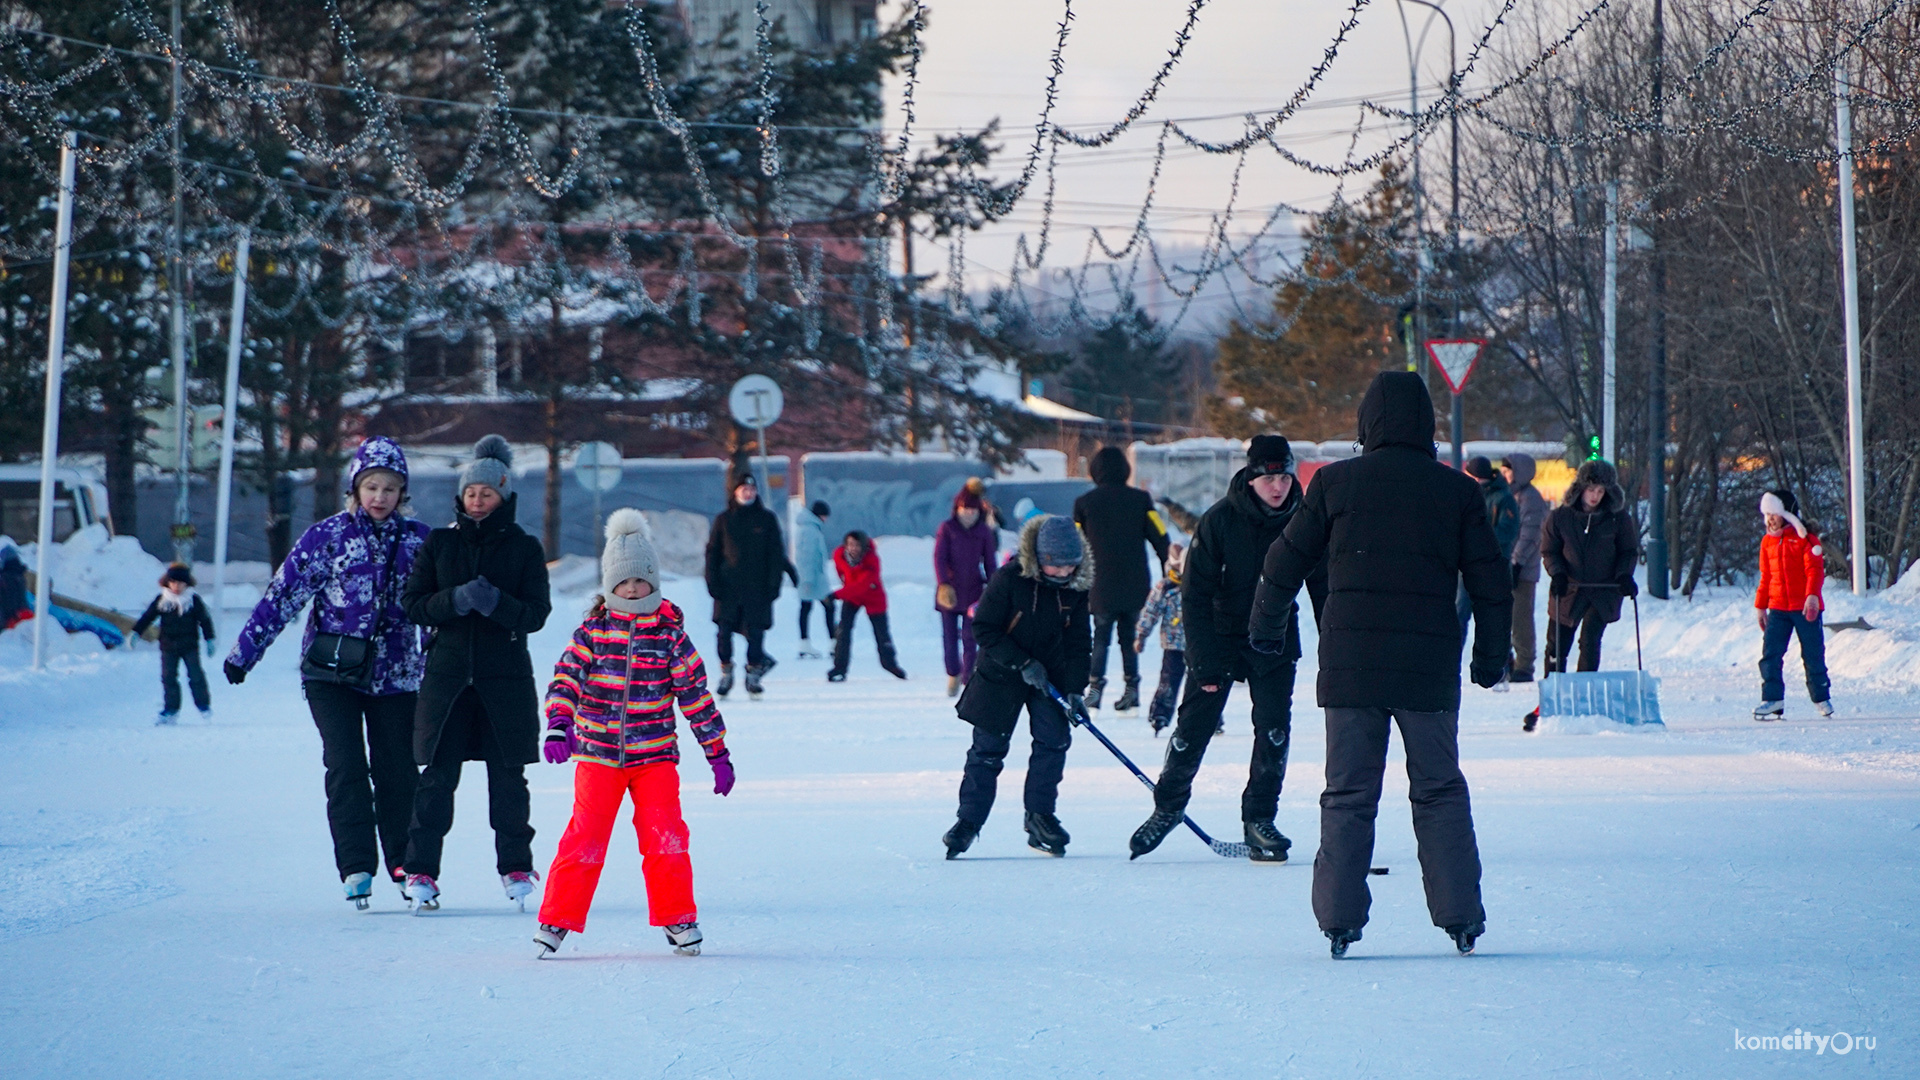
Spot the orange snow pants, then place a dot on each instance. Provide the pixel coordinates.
(597, 791)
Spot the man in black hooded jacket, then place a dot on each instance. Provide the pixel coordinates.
(1223, 567)
(1399, 530)
(1118, 520)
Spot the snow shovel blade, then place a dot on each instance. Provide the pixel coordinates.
(1624, 697)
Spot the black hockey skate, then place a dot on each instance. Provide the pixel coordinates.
(1046, 835)
(1151, 832)
(1530, 721)
(1340, 939)
(960, 837)
(1266, 843)
(1095, 688)
(1129, 699)
(1464, 936)
(725, 685)
(755, 673)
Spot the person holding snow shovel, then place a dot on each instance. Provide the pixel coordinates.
(1590, 544)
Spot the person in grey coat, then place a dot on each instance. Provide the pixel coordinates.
(813, 561)
(1519, 470)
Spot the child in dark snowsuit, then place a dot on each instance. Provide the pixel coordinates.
(1034, 631)
(184, 619)
(1163, 607)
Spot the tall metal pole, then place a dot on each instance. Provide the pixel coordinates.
(1457, 420)
(1850, 290)
(1657, 329)
(1419, 210)
(176, 285)
(50, 425)
(1609, 333)
(230, 401)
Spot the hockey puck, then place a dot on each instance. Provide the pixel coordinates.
(1381, 870)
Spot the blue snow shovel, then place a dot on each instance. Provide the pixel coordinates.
(1220, 847)
(1624, 697)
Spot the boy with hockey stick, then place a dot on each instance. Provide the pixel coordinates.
(610, 712)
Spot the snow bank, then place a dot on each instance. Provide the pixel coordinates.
(1716, 631)
(110, 571)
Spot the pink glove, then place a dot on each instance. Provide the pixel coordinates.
(560, 743)
(722, 773)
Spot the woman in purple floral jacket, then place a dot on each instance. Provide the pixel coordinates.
(352, 566)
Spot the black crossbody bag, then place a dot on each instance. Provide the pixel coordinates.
(343, 658)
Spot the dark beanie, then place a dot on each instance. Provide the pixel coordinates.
(1479, 468)
(1267, 454)
(179, 572)
(820, 509)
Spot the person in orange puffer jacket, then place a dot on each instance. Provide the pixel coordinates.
(860, 590)
(1792, 568)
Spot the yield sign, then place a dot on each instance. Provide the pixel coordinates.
(1455, 359)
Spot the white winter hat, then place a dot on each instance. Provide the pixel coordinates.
(629, 554)
(1771, 503)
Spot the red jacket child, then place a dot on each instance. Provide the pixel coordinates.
(860, 582)
(1792, 564)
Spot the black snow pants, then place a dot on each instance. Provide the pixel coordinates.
(365, 738)
(1052, 735)
(469, 736)
(843, 639)
(170, 662)
(1200, 712)
(1442, 816)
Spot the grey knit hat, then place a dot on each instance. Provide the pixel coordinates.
(492, 465)
(629, 554)
(1058, 542)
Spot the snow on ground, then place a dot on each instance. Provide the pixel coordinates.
(172, 908)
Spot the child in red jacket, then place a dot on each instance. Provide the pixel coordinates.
(860, 590)
(1792, 567)
(610, 712)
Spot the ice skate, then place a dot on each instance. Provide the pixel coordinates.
(1769, 710)
(1045, 834)
(549, 939)
(725, 685)
(423, 893)
(519, 886)
(960, 837)
(1530, 721)
(754, 686)
(953, 686)
(808, 652)
(1340, 939)
(1824, 708)
(893, 668)
(685, 938)
(1464, 936)
(1095, 687)
(1151, 832)
(1129, 699)
(207, 715)
(166, 719)
(359, 889)
(836, 676)
(1266, 843)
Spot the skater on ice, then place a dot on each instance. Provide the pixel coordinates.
(1223, 569)
(812, 562)
(1163, 610)
(1120, 524)
(1518, 470)
(1398, 531)
(361, 660)
(481, 585)
(964, 552)
(745, 560)
(1793, 566)
(184, 620)
(1033, 631)
(858, 565)
(1503, 512)
(610, 711)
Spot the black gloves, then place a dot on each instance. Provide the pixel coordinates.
(235, 673)
(1629, 587)
(1486, 676)
(1557, 585)
(1076, 706)
(1269, 646)
(478, 595)
(1034, 674)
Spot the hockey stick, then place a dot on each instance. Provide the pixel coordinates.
(1220, 847)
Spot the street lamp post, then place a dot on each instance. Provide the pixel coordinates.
(1458, 418)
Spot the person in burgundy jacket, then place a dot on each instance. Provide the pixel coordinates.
(860, 590)
(963, 555)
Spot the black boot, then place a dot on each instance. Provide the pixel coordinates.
(1045, 834)
(754, 674)
(1528, 721)
(1095, 687)
(1151, 832)
(725, 684)
(1464, 936)
(1266, 843)
(1340, 939)
(1129, 695)
(960, 837)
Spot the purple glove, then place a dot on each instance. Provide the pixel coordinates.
(722, 773)
(560, 743)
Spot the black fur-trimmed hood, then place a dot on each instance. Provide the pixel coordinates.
(1029, 557)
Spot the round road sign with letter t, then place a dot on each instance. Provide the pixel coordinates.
(597, 466)
(755, 401)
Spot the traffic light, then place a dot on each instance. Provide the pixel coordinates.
(1593, 448)
(203, 436)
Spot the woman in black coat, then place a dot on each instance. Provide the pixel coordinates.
(481, 585)
(1589, 545)
(745, 560)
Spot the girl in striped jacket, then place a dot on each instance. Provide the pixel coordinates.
(610, 711)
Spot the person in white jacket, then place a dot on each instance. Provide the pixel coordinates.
(812, 559)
